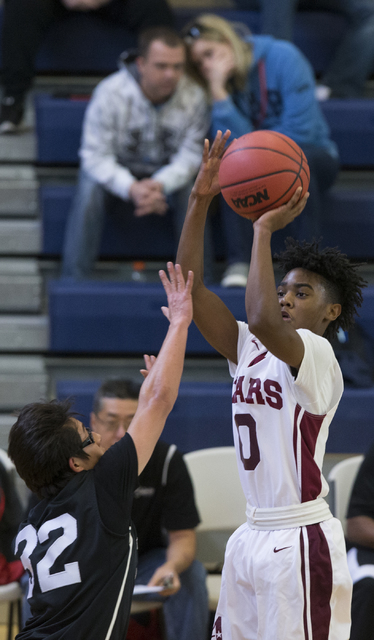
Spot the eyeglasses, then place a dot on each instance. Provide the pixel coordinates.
(88, 440)
(113, 424)
(196, 31)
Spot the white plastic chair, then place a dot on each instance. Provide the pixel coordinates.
(221, 504)
(341, 479)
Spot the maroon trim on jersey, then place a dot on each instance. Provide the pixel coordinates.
(302, 555)
(295, 419)
(257, 359)
(311, 484)
(320, 582)
(320, 575)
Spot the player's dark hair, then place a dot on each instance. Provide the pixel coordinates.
(121, 388)
(41, 443)
(341, 280)
(167, 35)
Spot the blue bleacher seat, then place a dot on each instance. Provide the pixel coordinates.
(348, 223)
(82, 43)
(59, 126)
(201, 416)
(151, 237)
(58, 129)
(109, 317)
(352, 128)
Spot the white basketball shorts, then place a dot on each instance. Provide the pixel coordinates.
(287, 584)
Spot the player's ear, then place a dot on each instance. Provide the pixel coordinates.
(333, 311)
(93, 421)
(76, 465)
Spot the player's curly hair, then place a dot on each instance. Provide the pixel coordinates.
(342, 281)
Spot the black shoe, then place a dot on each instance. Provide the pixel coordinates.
(11, 114)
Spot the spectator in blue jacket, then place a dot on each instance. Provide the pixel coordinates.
(258, 82)
(353, 60)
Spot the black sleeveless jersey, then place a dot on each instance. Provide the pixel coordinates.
(80, 550)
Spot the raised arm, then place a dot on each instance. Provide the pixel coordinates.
(261, 301)
(212, 317)
(160, 388)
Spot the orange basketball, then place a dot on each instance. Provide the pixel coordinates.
(261, 171)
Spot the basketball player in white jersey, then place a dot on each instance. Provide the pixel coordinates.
(285, 575)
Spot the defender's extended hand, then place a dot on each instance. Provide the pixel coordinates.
(178, 292)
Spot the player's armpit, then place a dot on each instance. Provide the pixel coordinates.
(216, 323)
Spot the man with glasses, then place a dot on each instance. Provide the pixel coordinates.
(78, 544)
(164, 514)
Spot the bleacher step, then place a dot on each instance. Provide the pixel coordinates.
(20, 237)
(20, 285)
(24, 333)
(23, 379)
(18, 191)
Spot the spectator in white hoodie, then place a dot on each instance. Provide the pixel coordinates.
(142, 142)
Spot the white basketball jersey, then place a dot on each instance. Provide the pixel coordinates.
(280, 422)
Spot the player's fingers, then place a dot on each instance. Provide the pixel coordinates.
(179, 278)
(165, 281)
(296, 196)
(301, 205)
(206, 150)
(165, 311)
(172, 275)
(216, 144)
(189, 283)
(226, 136)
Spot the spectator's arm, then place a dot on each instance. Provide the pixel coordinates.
(179, 555)
(184, 164)
(225, 115)
(297, 90)
(98, 146)
(360, 531)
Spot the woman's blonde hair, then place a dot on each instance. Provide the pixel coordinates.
(211, 27)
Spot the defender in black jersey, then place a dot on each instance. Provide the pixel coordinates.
(78, 543)
(164, 514)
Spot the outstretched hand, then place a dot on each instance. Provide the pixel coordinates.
(279, 218)
(178, 293)
(206, 183)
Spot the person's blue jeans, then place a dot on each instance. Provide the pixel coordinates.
(186, 613)
(238, 231)
(86, 222)
(354, 59)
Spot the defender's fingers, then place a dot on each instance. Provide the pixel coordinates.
(165, 281)
(179, 277)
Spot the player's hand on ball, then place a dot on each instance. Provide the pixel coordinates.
(282, 216)
(206, 183)
(178, 292)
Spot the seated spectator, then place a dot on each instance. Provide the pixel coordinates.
(353, 61)
(142, 142)
(360, 537)
(165, 517)
(257, 82)
(25, 25)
